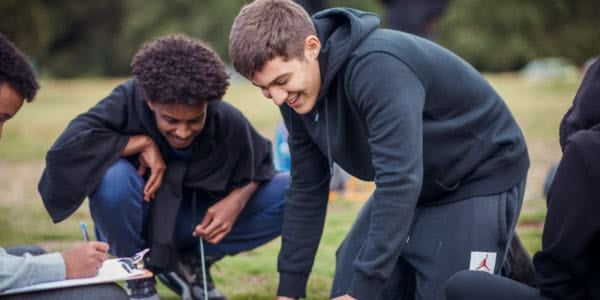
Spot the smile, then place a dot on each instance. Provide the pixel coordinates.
(292, 101)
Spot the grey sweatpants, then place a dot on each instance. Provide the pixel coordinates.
(472, 233)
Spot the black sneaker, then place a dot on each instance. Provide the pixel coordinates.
(142, 289)
(187, 281)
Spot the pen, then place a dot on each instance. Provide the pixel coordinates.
(84, 231)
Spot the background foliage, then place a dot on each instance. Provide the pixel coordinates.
(98, 38)
(505, 35)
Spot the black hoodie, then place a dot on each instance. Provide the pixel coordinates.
(227, 154)
(568, 266)
(405, 113)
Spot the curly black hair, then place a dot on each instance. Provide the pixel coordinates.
(177, 69)
(16, 70)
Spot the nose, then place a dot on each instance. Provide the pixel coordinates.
(278, 95)
(183, 131)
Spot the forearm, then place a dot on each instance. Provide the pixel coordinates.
(18, 271)
(136, 144)
(244, 193)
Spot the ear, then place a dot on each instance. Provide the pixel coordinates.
(150, 105)
(312, 46)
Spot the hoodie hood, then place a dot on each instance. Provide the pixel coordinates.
(340, 31)
(584, 114)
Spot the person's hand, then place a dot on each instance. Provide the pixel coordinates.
(344, 297)
(286, 298)
(85, 259)
(219, 219)
(150, 158)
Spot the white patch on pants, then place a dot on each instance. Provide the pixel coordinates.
(483, 261)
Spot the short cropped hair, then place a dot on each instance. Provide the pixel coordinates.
(265, 29)
(16, 71)
(177, 69)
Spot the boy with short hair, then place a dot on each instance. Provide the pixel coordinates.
(448, 159)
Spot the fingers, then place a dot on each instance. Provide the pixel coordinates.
(84, 260)
(212, 230)
(142, 170)
(100, 246)
(154, 182)
(152, 185)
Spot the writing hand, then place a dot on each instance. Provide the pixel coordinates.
(85, 260)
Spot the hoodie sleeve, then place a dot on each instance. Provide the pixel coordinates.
(566, 263)
(392, 110)
(305, 208)
(19, 271)
(81, 155)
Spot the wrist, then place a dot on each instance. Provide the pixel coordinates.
(137, 144)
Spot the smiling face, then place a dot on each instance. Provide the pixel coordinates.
(180, 124)
(295, 82)
(10, 103)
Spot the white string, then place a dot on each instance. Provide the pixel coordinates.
(203, 269)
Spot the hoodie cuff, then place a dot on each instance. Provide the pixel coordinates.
(292, 285)
(365, 287)
(47, 267)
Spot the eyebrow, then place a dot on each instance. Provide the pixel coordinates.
(173, 118)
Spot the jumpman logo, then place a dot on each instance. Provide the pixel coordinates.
(483, 264)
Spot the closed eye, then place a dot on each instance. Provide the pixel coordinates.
(281, 82)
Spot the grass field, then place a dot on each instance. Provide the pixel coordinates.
(537, 107)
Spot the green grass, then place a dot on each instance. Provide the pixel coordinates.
(537, 107)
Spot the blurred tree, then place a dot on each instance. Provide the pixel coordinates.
(208, 20)
(25, 22)
(98, 38)
(505, 35)
(85, 38)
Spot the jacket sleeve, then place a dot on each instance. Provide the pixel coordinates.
(254, 161)
(571, 226)
(19, 271)
(81, 155)
(305, 208)
(392, 110)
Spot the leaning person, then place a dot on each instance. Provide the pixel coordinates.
(164, 162)
(448, 159)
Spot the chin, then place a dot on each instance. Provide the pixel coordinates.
(301, 111)
(180, 147)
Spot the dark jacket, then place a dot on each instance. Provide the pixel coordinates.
(568, 265)
(405, 113)
(227, 154)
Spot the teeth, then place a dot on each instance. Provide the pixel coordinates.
(291, 101)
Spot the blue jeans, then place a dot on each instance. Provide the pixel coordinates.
(120, 215)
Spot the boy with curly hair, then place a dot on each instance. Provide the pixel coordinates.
(164, 161)
(448, 160)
